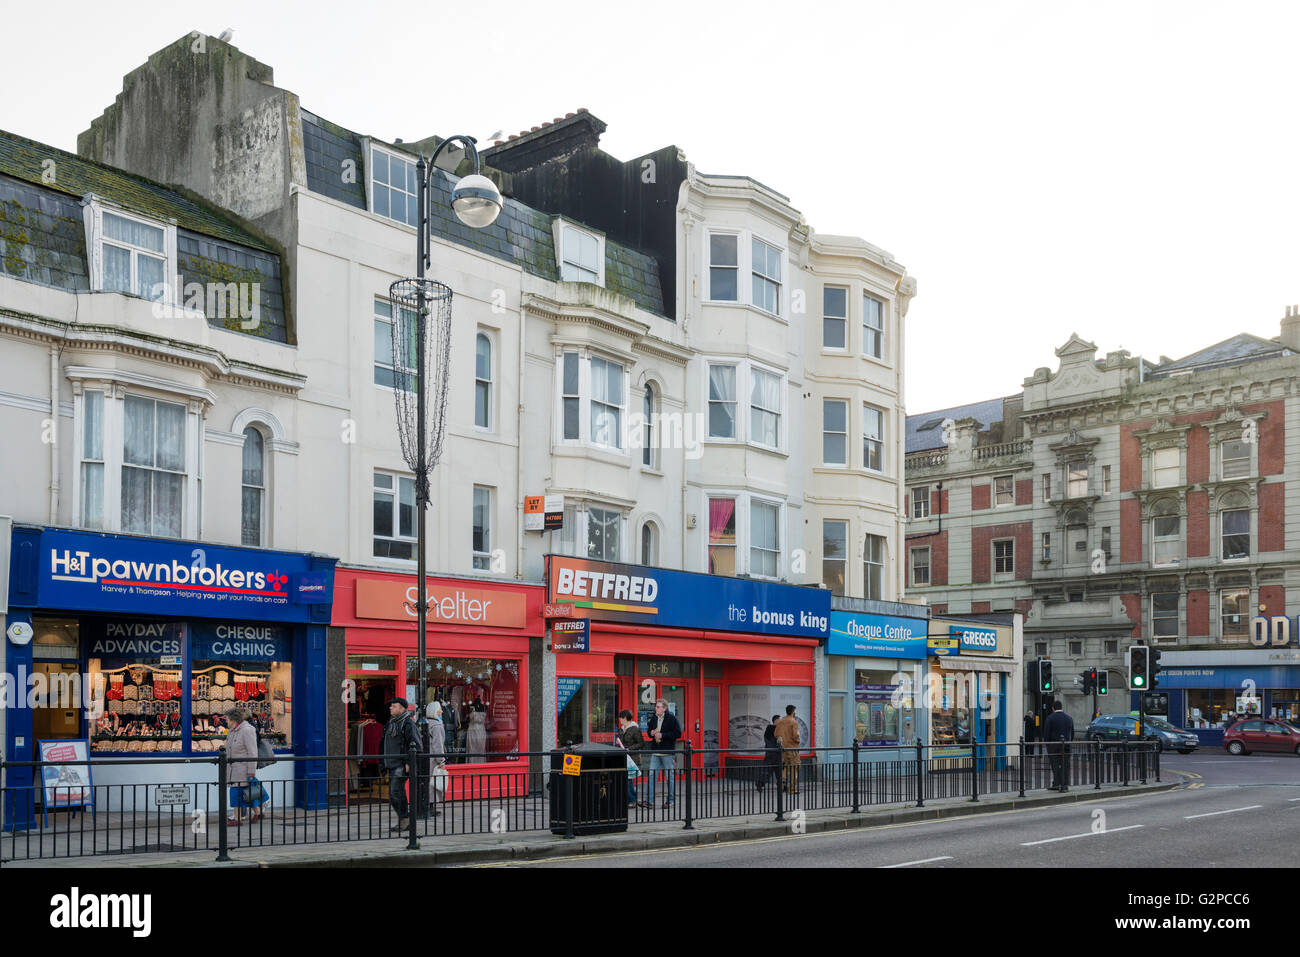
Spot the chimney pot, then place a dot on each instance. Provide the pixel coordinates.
(582, 109)
(534, 129)
(568, 115)
(557, 119)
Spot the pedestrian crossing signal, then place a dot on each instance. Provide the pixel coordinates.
(1139, 668)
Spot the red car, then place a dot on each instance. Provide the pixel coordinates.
(1260, 734)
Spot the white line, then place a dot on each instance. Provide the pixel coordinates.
(928, 860)
(1290, 800)
(1188, 817)
(1071, 837)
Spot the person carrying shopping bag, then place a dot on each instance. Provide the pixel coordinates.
(246, 791)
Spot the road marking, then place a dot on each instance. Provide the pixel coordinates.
(1193, 787)
(1289, 800)
(928, 860)
(1071, 837)
(1188, 817)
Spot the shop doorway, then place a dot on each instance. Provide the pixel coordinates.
(373, 684)
(56, 712)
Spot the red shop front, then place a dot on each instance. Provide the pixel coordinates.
(477, 653)
(724, 686)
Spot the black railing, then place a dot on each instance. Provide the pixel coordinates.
(198, 803)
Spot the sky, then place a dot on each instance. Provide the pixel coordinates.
(1125, 171)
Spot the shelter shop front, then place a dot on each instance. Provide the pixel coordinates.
(724, 653)
(477, 665)
(139, 646)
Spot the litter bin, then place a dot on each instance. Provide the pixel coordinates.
(599, 790)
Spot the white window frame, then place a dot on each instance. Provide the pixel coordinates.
(868, 564)
(847, 528)
(779, 506)
(1046, 547)
(93, 221)
(879, 441)
(585, 400)
(1223, 534)
(912, 566)
(756, 276)
(481, 559)
(994, 559)
(881, 330)
(489, 382)
(738, 268)
(1047, 486)
(1077, 487)
(649, 528)
(186, 470)
(1245, 613)
(844, 320)
(913, 499)
(1105, 479)
(260, 489)
(621, 521)
(1156, 540)
(85, 436)
(744, 539)
(387, 359)
(1175, 617)
(651, 398)
(744, 381)
(848, 430)
(1176, 468)
(1011, 491)
(1249, 459)
(564, 232)
(394, 494)
(370, 184)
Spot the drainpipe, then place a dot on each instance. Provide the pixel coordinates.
(54, 435)
(519, 454)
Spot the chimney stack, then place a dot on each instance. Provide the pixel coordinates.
(1291, 328)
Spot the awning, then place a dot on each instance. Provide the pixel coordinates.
(960, 663)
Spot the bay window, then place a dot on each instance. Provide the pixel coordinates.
(766, 388)
(722, 536)
(764, 539)
(873, 327)
(835, 432)
(873, 567)
(873, 438)
(153, 467)
(835, 553)
(764, 407)
(835, 317)
(766, 266)
(724, 267)
(599, 385)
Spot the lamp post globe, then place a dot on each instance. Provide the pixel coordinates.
(476, 201)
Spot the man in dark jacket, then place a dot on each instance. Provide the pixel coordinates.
(664, 730)
(770, 766)
(1031, 731)
(1058, 728)
(400, 736)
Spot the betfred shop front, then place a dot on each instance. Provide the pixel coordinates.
(478, 666)
(725, 654)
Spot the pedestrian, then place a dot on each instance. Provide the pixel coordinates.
(1031, 732)
(1058, 729)
(770, 766)
(241, 750)
(664, 730)
(438, 754)
(400, 736)
(787, 733)
(630, 737)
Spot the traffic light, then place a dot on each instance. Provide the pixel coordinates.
(1031, 674)
(1087, 677)
(1153, 666)
(1045, 684)
(1139, 668)
(1100, 681)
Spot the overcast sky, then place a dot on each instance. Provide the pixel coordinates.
(1124, 170)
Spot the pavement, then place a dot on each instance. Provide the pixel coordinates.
(537, 846)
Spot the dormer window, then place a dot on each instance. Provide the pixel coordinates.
(130, 254)
(392, 187)
(581, 255)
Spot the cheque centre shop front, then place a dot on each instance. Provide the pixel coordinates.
(875, 661)
(138, 646)
(968, 683)
(726, 654)
(479, 667)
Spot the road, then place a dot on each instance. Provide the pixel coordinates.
(1228, 813)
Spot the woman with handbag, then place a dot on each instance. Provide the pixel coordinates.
(631, 739)
(241, 750)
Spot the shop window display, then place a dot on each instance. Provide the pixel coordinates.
(262, 688)
(141, 696)
(587, 712)
(950, 714)
(875, 714)
(482, 696)
(1210, 708)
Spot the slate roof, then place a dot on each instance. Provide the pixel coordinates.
(1239, 349)
(521, 235)
(925, 432)
(43, 237)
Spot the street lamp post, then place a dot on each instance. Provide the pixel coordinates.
(476, 203)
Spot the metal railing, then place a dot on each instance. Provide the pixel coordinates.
(319, 799)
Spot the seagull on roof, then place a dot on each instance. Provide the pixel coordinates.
(226, 34)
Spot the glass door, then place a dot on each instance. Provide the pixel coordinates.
(710, 736)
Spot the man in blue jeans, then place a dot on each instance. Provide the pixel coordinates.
(664, 729)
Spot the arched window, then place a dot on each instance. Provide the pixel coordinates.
(649, 545)
(254, 490)
(483, 382)
(647, 436)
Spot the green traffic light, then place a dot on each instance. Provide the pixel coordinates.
(1047, 686)
(1137, 680)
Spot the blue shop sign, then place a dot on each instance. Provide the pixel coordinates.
(138, 640)
(878, 636)
(240, 641)
(655, 596)
(975, 639)
(122, 573)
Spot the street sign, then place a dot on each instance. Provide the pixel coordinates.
(943, 646)
(171, 794)
(572, 764)
(557, 611)
(1156, 703)
(570, 634)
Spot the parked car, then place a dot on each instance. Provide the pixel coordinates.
(1261, 734)
(1113, 728)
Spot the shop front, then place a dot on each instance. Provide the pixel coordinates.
(875, 657)
(478, 663)
(1210, 689)
(139, 646)
(725, 654)
(973, 681)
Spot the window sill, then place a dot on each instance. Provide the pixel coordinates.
(650, 470)
(577, 450)
(878, 362)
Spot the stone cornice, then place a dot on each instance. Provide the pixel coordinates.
(588, 313)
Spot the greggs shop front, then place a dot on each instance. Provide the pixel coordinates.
(724, 653)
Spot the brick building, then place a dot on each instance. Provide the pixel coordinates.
(1119, 499)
